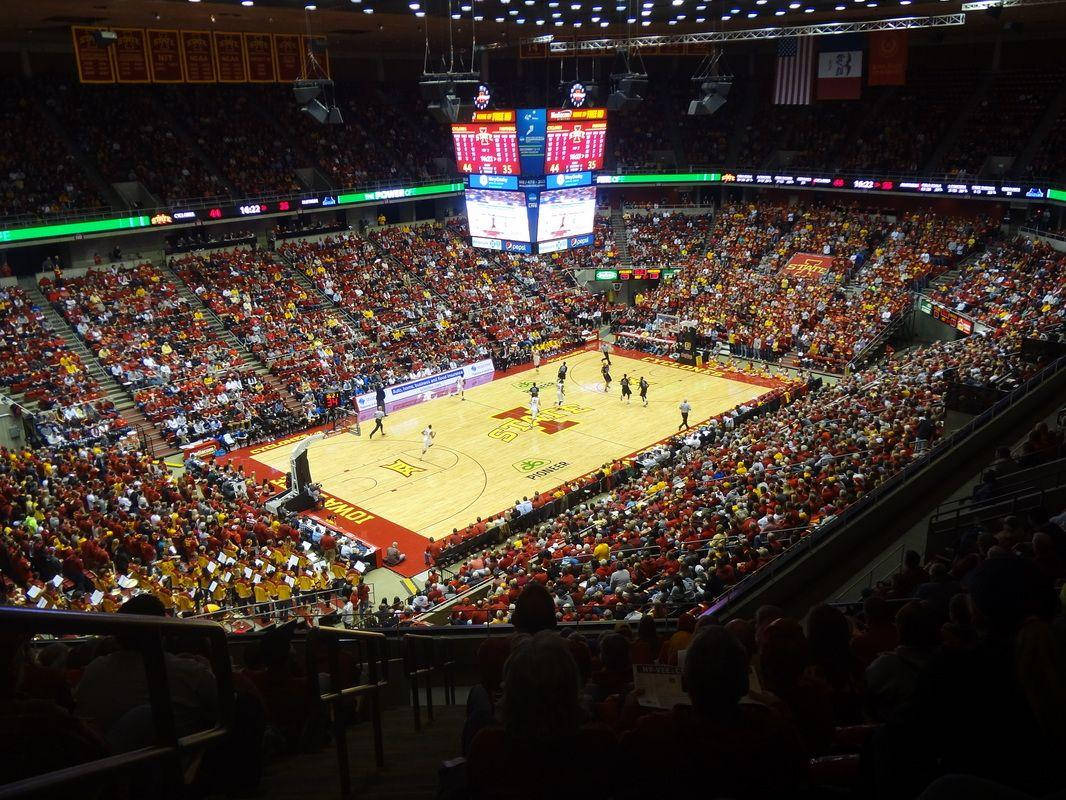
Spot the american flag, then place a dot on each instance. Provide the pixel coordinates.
(795, 62)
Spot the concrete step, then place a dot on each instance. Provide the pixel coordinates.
(412, 759)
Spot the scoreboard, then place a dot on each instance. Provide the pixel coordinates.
(486, 148)
(530, 186)
(575, 140)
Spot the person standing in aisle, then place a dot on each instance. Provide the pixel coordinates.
(685, 409)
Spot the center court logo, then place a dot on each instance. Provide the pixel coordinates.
(403, 468)
(517, 421)
(525, 386)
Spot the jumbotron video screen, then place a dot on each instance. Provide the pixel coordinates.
(565, 213)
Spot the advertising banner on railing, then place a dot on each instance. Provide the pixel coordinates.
(410, 393)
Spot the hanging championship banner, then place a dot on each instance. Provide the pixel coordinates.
(259, 51)
(229, 57)
(131, 56)
(198, 56)
(164, 56)
(94, 62)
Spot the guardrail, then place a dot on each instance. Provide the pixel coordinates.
(372, 655)
(149, 632)
(424, 657)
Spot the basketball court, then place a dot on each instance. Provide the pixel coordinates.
(488, 453)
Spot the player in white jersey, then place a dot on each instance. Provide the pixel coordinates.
(560, 393)
(536, 360)
(460, 386)
(534, 406)
(427, 438)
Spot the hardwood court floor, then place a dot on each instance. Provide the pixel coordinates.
(488, 454)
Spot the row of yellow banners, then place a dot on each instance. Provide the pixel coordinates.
(179, 56)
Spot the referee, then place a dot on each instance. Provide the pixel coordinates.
(379, 415)
(685, 409)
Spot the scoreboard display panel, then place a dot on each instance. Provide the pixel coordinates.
(487, 148)
(566, 213)
(493, 214)
(575, 140)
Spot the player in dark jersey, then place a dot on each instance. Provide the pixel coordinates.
(627, 393)
(644, 391)
(606, 372)
(534, 390)
(562, 371)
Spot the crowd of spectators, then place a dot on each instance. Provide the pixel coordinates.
(149, 151)
(38, 174)
(504, 307)
(162, 348)
(903, 133)
(1048, 162)
(253, 156)
(386, 135)
(641, 136)
(816, 132)
(916, 247)
(303, 340)
(1005, 119)
(1016, 286)
(715, 504)
(51, 382)
(734, 281)
(86, 529)
(874, 701)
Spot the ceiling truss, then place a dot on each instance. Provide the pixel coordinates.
(644, 43)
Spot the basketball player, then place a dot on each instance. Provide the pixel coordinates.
(627, 393)
(644, 392)
(562, 371)
(536, 360)
(534, 391)
(534, 407)
(427, 438)
(605, 370)
(379, 415)
(460, 386)
(685, 409)
(560, 393)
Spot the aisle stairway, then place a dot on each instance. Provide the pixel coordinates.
(152, 441)
(251, 361)
(621, 238)
(411, 760)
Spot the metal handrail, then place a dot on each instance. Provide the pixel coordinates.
(437, 653)
(372, 650)
(149, 631)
